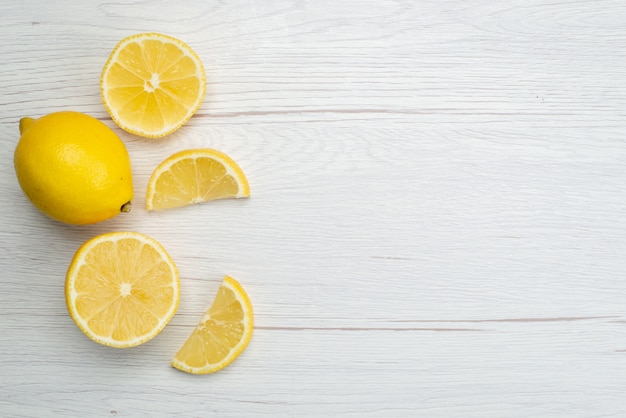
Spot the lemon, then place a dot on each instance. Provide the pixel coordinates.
(152, 84)
(195, 176)
(122, 288)
(73, 168)
(221, 335)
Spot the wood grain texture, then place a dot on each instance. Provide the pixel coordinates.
(437, 224)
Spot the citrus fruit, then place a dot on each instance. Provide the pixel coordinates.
(223, 333)
(195, 176)
(73, 167)
(122, 288)
(152, 84)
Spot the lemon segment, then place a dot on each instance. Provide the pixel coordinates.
(195, 176)
(152, 84)
(223, 333)
(122, 288)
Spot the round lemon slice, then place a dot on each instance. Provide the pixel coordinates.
(122, 288)
(152, 84)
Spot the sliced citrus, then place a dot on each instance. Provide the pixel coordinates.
(152, 84)
(195, 176)
(122, 288)
(222, 334)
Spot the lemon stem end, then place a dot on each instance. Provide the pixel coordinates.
(126, 207)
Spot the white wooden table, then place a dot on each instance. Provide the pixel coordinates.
(437, 224)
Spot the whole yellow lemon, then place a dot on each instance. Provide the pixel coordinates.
(73, 168)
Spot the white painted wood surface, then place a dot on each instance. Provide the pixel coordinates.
(437, 224)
